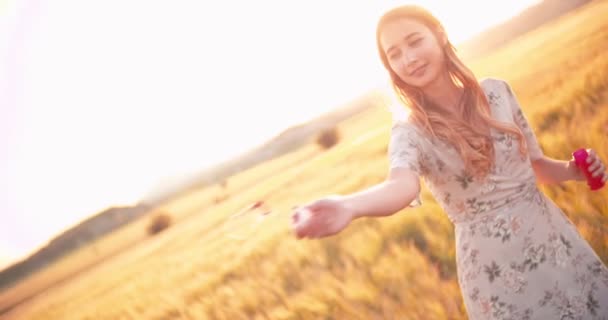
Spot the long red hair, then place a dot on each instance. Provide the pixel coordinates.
(470, 133)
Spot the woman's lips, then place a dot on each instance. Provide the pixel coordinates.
(418, 71)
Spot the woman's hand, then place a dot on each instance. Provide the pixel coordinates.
(321, 218)
(596, 167)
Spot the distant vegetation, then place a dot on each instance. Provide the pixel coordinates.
(159, 222)
(328, 138)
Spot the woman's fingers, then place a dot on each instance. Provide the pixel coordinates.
(598, 171)
(322, 218)
(592, 164)
(316, 226)
(320, 226)
(596, 167)
(304, 222)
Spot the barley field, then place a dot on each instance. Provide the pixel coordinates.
(210, 266)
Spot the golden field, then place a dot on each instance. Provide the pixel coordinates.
(207, 266)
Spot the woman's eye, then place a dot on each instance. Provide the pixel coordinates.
(415, 42)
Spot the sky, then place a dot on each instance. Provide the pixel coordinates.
(102, 101)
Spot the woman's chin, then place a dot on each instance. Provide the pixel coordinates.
(421, 82)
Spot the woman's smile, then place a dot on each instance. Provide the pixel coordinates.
(418, 71)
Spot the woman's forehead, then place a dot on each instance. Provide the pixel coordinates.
(397, 30)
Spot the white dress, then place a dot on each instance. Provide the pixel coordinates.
(518, 255)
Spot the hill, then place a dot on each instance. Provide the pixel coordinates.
(5, 261)
(528, 20)
(287, 141)
(73, 238)
(110, 219)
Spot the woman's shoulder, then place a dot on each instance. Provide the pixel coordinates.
(400, 116)
(405, 127)
(402, 119)
(493, 83)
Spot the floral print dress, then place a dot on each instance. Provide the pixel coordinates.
(518, 255)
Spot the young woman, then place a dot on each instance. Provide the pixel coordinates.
(518, 256)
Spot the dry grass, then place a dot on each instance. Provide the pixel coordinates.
(400, 266)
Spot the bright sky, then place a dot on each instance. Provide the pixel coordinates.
(102, 99)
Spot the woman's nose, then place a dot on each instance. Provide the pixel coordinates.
(410, 58)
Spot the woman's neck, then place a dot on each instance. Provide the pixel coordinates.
(445, 94)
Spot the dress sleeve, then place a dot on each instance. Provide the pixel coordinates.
(521, 120)
(404, 152)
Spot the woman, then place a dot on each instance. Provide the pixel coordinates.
(518, 256)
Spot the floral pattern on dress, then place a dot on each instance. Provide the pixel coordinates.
(518, 255)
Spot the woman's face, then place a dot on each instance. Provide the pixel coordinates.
(413, 51)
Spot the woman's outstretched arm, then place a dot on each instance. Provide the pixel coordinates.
(330, 215)
(398, 191)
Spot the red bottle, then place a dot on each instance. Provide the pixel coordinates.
(580, 158)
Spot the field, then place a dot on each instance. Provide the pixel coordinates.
(207, 266)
